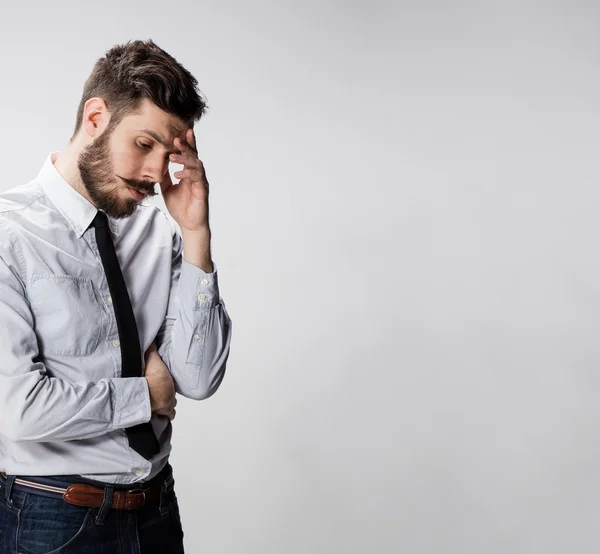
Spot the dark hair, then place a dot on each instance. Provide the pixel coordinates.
(138, 69)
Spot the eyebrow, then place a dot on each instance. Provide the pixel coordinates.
(161, 140)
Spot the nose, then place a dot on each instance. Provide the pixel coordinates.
(155, 167)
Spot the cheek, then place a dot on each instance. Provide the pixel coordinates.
(126, 165)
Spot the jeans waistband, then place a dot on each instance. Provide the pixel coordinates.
(49, 485)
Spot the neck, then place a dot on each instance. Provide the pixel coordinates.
(66, 164)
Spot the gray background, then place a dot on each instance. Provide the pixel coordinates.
(404, 201)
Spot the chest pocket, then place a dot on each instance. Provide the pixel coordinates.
(67, 314)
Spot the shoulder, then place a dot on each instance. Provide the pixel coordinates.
(10, 243)
(18, 205)
(20, 198)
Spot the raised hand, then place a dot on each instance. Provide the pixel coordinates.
(187, 201)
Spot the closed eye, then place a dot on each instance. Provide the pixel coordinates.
(149, 147)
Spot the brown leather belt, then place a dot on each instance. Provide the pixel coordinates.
(85, 495)
(80, 494)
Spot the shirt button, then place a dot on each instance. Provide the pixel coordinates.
(116, 343)
(196, 337)
(204, 282)
(139, 472)
(110, 299)
(201, 297)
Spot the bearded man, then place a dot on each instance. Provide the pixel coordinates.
(107, 310)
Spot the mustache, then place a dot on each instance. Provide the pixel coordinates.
(142, 186)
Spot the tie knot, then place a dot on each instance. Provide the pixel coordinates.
(100, 220)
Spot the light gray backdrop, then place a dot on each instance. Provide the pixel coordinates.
(404, 205)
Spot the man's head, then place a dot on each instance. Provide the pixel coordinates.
(136, 101)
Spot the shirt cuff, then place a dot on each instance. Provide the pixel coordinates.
(132, 401)
(200, 287)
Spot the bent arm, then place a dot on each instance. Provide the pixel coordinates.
(35, 406)
(195, 338)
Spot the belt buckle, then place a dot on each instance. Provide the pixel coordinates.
(137, 491)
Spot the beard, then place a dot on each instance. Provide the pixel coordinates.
(102, 184)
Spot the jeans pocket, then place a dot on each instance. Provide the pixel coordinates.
(9, 519)
(51, 525)
(16, 500)
(176, 519)
(171, 506)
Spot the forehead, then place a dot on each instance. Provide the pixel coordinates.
(151, 118)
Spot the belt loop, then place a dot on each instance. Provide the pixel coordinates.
(109, 491)
(10, 481)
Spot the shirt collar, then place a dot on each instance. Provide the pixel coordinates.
(77, 210)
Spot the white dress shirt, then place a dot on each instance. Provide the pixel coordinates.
(63, 405)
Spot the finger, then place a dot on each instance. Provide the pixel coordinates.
(191, 138)
(189, 159)
(185, 146)
(192, 174)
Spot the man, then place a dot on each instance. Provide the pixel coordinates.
(106, 311)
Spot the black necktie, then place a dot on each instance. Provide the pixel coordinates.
(141, 437)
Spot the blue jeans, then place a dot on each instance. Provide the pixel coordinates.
(35, 524)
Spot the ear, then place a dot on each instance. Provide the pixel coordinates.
(95, 117)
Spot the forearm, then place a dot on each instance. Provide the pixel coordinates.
(195, 339)
(37, 407)
(196, 248)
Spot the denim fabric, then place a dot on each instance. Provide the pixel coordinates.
(34, 524)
